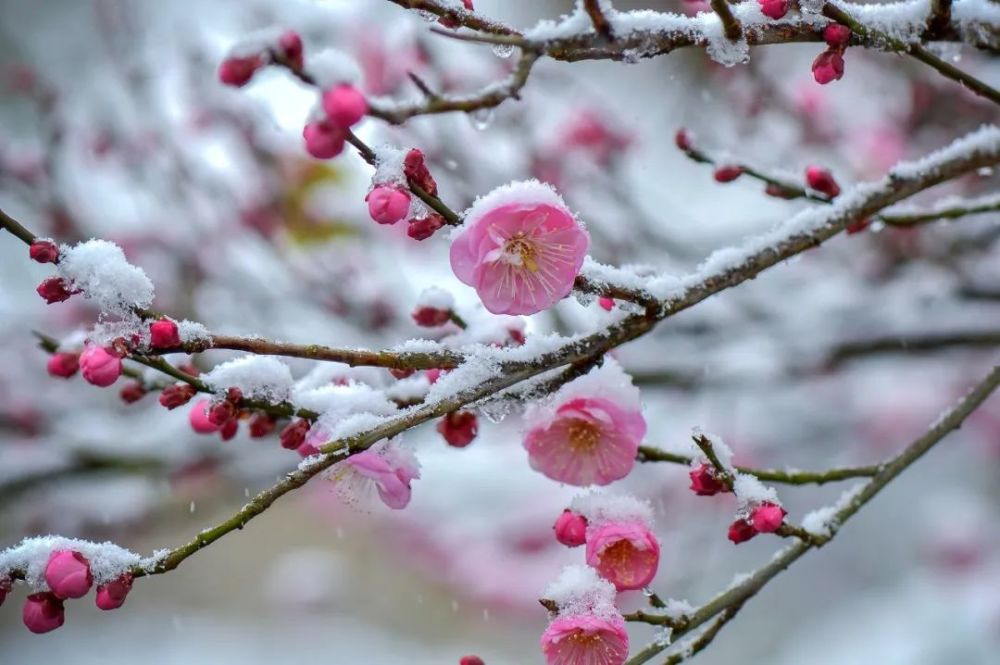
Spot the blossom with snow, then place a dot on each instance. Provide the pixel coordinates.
(112, 595)
(626, 553)
(68, 574)
(520, 248)
(388, 468)
(592, 433)
(588, 628)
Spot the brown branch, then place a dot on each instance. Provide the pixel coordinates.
(940, 18)
(597, 17)
(730, 25)
(458, 15)
(919, 343)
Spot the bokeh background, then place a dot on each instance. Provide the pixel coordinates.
(113, 124)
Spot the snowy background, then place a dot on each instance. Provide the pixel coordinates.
(210, 191)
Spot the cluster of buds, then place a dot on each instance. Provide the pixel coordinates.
(390, 203)
(343, 107)
(237, 70)
(68, 576)
(221, 415)
(293, 437)
(829, 65)
(764, 517)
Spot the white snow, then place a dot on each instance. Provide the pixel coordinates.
(821, 521)
(579, 590)
(749, 490)
(99, 269)
(332, 67)
(389, 166)
(600, 506)
(258, 42)
(722, 451)
(192, 331)
(107, 560)
(435, 298)
(259, 377)
(609, 381)
(528, 192)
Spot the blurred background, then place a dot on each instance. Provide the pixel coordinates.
(113, 125)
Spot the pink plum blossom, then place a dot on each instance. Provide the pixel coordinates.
(388, 205)
(68, 574)
(198, 417)
(323, 140)
(521, 257)
(101, 366)
(767, 517)
(388, 468)
(626, 553)
(585, 639)
(345, 106)
(588, 441)
(43, 612)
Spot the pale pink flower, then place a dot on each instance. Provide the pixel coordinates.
(101, 366)
(588, 441)
(585, 639)
(626, 553)
(522, 256)
(388, 468)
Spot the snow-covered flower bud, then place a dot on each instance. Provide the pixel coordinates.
(605, 303)
(683, 140)
(44, 251)
(387, 204)
(101, 367)
(177, 395)
(112, 595)
(571, 528)
(132, 392)
(68, 574)
(774, 8)
(238, 71)
(459, 428)
(294, 434)
(448, 23)
(261, 424)
(822, 181)
(741, 531)
(290, 47)
(220, 413)
(54, 289)
(198, 417)
(63, 365)
(423, 228)
(767, 517)
(416, 171)
(43, 612)
(401, 373)
(727, 173)
(828, 66)
(704, 482)
(430, 317)
(344, 105)
(836, 35)
(323, 140)
(163, 334)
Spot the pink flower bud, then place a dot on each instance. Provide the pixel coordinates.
(112, 595)
(54, 289)
(63, 365)
(683, 139)
(221, 413)
(448, 23)
(571, 528)
(416, 171)
(517, 337)
(774, 8)
(388, 205)
(401, 373)
(261, 425)
(836, 35)
(176, 395)
(424, 227)
(229, 429)
(238, 71)
(290, 45)
(459, 428)
(198, 417)
(727, 173)
(607, 304)
(323, 140)
(741, 531)
(132, 392)
(44, 251)
(822, 181)
(828, 66)
(767, 517)
(470, 660)
(431, 317)
(294, 434)
(307, 449)
(163, 334)
(433, 375)
(345, 106)
(704, 481)
(68, 574)
(5, 585)
(43, 612)
(858, 226)
(101, 366)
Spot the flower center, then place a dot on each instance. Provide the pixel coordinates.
(519, 250)
(620, 558)
(583, 435)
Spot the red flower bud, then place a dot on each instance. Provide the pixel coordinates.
(415, 170)
(112, 595)
(238, 71)
(858, 226)
(401, 373)
(774, 8)
(63, 365)
(470, 660)
(571, 528)
(741, 531)
(828, 66)
(836, 35)
(448, 23)
(767, 517)
(822, 181)
(294, 434)
(430, 317)
(459, 428)
(176, 395)
(261, 425)
(44, 251)
(132, 392)
(704, 481)
(290, 45)
(779, 192)
(54, 289)
(683, 139)
(424, 227)
(229, 429)
(43, 612)
(727, 173)
(221, 413)
(163, 334)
